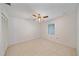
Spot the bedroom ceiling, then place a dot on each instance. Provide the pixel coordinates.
(53, 10)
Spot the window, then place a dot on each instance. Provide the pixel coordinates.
(51, 29)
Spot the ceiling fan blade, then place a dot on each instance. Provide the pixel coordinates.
(8, 4)
(45, 16)
(34, 15)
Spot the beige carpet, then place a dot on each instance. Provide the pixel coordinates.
(39, 47)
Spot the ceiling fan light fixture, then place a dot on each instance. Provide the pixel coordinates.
(39, 17)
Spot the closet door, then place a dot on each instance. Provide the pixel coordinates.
(1, 39)
(3, 33)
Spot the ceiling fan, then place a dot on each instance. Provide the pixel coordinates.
(39, 17)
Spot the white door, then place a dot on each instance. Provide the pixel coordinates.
(3, 32)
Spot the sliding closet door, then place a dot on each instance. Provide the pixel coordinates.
(3, 32)
(78, 30)
(1, 48)
(2, 41)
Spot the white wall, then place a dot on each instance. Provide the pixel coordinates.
(65, 29)
(22, 30)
